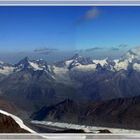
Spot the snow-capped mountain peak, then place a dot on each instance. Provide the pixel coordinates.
(77, 60)
(24, 63)
(129, 60)
(132, 54)
(35, 65)
(102, 62)
(132, 57)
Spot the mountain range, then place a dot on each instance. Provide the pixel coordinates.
(103, 91)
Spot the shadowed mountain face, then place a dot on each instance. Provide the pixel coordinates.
(66, 110)
(121, 113)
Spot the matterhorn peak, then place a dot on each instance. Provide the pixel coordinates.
(25, 60)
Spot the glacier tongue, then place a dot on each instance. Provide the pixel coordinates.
(87, 129)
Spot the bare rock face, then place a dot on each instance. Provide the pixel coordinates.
(8, 125)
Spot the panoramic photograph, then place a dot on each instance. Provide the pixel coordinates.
(70, 69)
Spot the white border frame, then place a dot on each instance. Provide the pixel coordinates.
(71, 3)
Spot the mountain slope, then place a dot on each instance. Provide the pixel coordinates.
(12, 124)
(33, 83)
(122, 113)
(76, 90)
(63, 111)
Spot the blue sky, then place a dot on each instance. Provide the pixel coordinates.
(111, 27)
(64, 28)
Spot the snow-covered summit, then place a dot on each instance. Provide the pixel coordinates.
(77, 60)
(132, 57)
(132, 54)
(80, 63)
(35, 65)
(102, 62)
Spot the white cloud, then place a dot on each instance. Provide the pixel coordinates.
(91, 13)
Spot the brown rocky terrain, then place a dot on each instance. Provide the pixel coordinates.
(8, 125)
